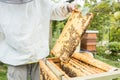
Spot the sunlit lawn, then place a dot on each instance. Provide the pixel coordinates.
(3, 71)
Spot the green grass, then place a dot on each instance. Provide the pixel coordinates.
(3, 71)
(109, 59)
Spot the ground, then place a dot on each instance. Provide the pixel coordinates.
(3, 71)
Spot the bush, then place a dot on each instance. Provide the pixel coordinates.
(101, 50)
(114, 47)
(114, 33)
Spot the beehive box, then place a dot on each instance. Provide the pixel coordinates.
(74, 66)
(86, 68)
(89, 41)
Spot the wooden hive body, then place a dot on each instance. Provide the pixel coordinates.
(77, 69)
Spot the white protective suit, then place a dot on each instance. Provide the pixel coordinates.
(24, 30)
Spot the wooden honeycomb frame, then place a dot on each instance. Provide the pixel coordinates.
(71, 35)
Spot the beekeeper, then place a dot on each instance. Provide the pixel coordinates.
(24, 34)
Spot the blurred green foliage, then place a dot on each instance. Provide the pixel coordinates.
(114, 47)
(103, 20)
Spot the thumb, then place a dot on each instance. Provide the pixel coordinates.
(72, 6)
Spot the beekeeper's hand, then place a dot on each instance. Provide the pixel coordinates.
(72, 6)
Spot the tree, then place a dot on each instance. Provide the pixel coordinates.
(103, 21)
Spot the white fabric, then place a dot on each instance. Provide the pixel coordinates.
(26, 30)
(16, 1)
